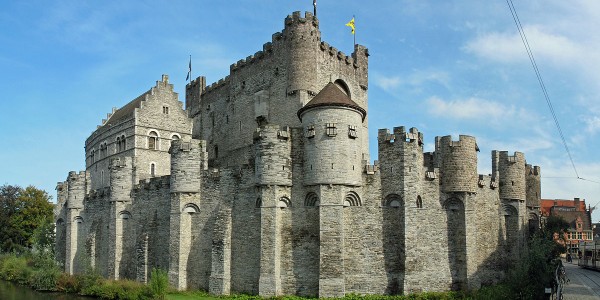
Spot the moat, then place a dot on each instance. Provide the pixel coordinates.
(12, 291)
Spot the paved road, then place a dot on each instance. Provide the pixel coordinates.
(584, 284)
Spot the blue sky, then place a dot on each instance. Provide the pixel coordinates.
(445, 67)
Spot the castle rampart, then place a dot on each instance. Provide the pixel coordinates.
(264, 185)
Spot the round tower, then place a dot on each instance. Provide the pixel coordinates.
(302, 37)
(458, 164)
(511, 172)
(272, 157)
(186, 163)
(332, 148)
(121, 178)
(534, 186)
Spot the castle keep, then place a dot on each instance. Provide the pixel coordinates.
(263, 184)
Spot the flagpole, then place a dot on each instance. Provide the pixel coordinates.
(354, 46)
(315, 7)
(190, 68)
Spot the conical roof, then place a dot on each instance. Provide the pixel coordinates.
(331, 95)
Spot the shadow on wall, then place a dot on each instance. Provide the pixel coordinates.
(394, 243)
(457, 243)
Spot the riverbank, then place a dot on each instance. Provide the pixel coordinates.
(41, 273)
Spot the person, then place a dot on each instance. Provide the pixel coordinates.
(569, 258)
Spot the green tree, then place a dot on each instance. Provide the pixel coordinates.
(22, 211)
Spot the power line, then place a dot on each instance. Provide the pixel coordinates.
(539, 77)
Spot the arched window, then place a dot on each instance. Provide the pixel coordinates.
(392, 200)
(284, 202)
(122, 144)
(352, 199)
(152, 169)
(343, 86)
(216, 151)
(92, 156)
(191, 208)
(153, 140)
(419, 202)
(124, 215)
(311, 200)
(118, 145)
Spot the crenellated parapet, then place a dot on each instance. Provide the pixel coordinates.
(154, 183)
(273, 157)
(511, 174)
(458, 163)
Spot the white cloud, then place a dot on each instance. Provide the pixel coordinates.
(414, 80)
(471, 108)
(593, 124)
(508, 47)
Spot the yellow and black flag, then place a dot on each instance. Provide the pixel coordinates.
(351, 24)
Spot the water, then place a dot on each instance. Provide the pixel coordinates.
(12, 291)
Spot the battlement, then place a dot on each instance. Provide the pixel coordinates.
(153, 183)
(400, 133)
(76, 176)
(99, 193)
(532, 170)
(463, 141)
(296, 19)
(217, 85)
(271, 131)
(489, 181)
(518, 157)
(187, 146)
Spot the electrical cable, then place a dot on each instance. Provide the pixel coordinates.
(539, 77)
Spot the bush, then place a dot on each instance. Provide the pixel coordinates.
(15, 268)
(44, 279)
(67, 283)
(159, 283)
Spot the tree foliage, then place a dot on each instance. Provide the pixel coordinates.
(24, 212)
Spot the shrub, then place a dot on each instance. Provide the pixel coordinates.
(15, 268)
(67, 283)
(159, 283)
(44, 279)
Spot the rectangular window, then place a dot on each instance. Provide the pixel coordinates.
(310, 131)
(352, 132)
(331, 130)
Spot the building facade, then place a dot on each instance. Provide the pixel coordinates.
(264, 185)
(577, 214)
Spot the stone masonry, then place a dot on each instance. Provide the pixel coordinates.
(263, 184)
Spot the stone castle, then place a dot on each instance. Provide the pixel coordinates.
(264, 185)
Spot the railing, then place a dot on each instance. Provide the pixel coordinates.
(560, 279)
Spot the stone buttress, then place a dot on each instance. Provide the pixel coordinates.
(187, 160)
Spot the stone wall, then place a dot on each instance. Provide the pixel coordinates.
(254, 204)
